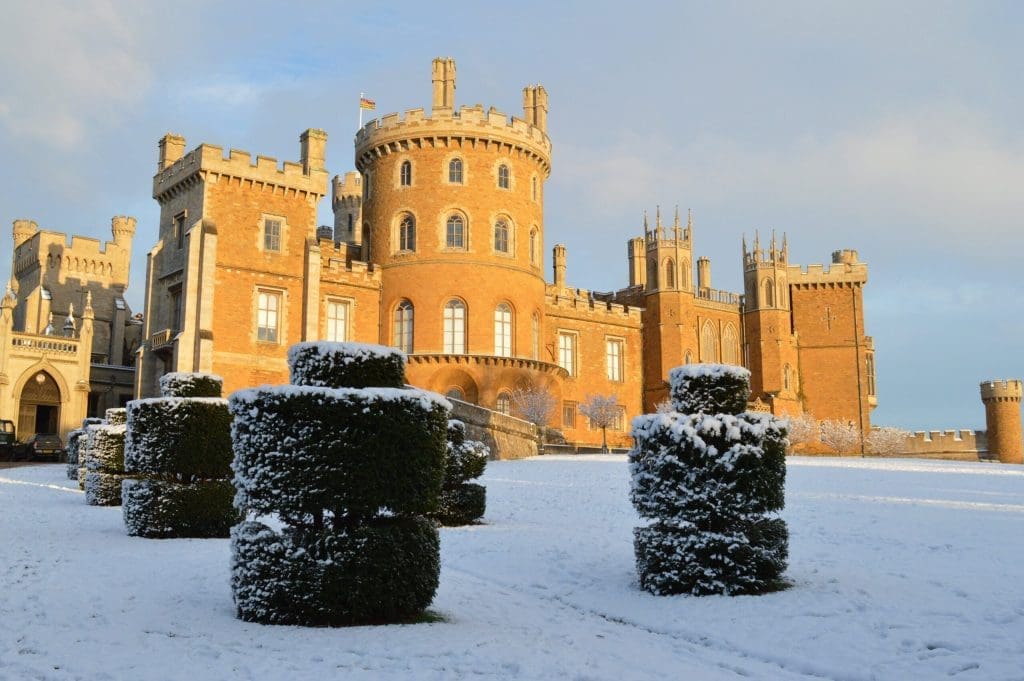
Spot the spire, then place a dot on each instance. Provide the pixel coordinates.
(744, 247)
(657, 222)
(69, 323)
(757, 245)
(647, 231)
(675, 225)
(774, 249)
(785, 249)
(49, 330)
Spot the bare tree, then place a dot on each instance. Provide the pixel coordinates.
(803, 430)
(535, 404)
(887, 441)
(842, 436)
(602, 410)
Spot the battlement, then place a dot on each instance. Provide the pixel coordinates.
(337, 259)
(845, 271)
(956, 444)
(472, 122)
(1002, 390)
(210, 160)
(348, 187)
(580, 299)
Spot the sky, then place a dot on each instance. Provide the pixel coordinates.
(890, 128)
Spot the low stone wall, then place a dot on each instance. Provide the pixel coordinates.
(506, 436)
(963, 445)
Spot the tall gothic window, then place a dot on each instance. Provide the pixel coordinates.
(455, 171)
(730, 346)
(708, 343)
(455, 327)
(769, 293)
(670, 274)
(533, 246)
(455, 232)
(501, 236)
(403, 326)
(535, 336)
(503, 331)
(406, 174)
(407, 234)
(503, 176)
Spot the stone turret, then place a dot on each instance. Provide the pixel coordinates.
(347, 201)
(123, 229)
(444, 85)
(172, 147)
(559, 259)
(24, 230)
(1002, 417)
(313, 150)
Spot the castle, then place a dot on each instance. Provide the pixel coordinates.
(438, 248)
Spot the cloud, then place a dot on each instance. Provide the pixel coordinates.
(938, 174)
(68, 68)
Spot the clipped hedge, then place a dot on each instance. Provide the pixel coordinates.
(352, 365)
(712, 480)
(381, 570)
(106, 449)
(351, 472)
(72, 448)
(115, 417)
(177, 436)
(301, 449)
(181, 384)
(180, 445)
(461, 501)
(159, 509)
(103, 489)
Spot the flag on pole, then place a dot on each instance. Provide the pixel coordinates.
(365, 103)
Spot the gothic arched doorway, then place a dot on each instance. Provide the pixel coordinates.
(39, 410)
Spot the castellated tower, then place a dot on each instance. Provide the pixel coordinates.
(770, 345)
(347, 203)
(453, 216)
(1002, 418)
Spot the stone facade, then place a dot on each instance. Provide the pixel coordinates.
(67, 336)
(1002, 419)
(438, 248)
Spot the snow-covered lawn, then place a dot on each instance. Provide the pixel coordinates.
(901, 570)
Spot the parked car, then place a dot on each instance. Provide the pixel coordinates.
(40, 446)
(8, 439)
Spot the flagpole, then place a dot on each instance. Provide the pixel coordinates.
(361, 94)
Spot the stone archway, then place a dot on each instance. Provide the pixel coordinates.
(39, 406)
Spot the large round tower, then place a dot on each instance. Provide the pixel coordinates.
(453, 212)
(1002, 419)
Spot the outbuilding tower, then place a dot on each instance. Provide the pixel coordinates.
(1002, 418)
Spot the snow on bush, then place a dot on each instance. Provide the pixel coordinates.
(180, 444)
(182, 384)
(115, 417)
(78, 450)
(712, 481)
(887, 441)
(350, 472)
(159, 509)
(353, 365)
(842, 436)
(104, 462)
(462, 502)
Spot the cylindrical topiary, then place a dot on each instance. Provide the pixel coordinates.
(104, 460)
(462, 502)
(350, 470)
(180, 447)
(712, 480)
(76, 468)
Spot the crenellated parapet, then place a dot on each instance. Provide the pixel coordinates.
(583, 302)
(208, 162)
(846, 270)
(79, 256)
(337, 264)
(959, 444)
(468, 126)
(1010, 390)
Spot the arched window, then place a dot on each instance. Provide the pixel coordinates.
(455, 393)
(708, 343)
(534, 189)
(684, 276)
(503, 331)
(501, 236)
(366, 186)
(455, 234)
(455, 171)
(533, 246)
(350, 224)
(730, 346)
(670, 274)
(407, 234)
(688, 359)
(406, 174)
(403, 326)
(535, 336)
(503, 405)
(455, 327)
(769, 293)
(503, 175)
(652, 273)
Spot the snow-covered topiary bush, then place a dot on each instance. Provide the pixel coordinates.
(351, 473)
(180, 446)
(462, 502)
(77, 441)
(712, 480)
(104, 460)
